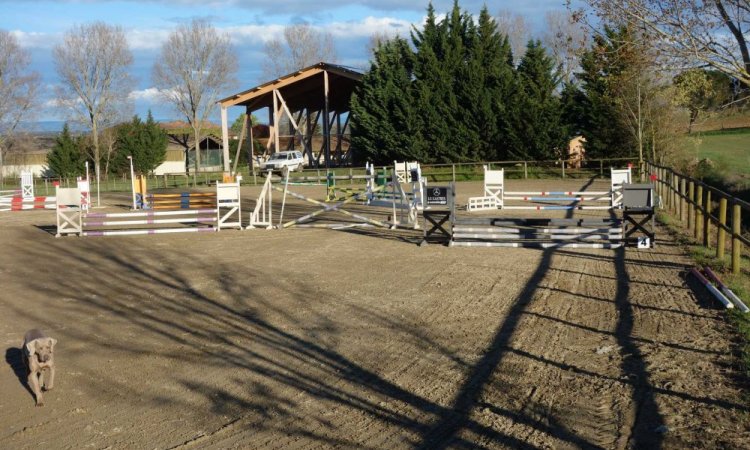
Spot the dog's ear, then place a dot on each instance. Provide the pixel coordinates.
(52, 343)
(31, 348)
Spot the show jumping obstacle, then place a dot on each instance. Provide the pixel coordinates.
(72, 220)
(496, 197)
(262, 215)
(540, 233)
(23, 199)
(183, 200)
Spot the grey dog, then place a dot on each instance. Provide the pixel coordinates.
(38, 355)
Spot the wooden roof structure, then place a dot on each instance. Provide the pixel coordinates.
(303, 88)
(322, 90)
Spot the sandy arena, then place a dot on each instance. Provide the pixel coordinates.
(313, 338)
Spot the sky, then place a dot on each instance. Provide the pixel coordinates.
(40, 25)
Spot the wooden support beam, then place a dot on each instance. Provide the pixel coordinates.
(225, 137)
(326, 125)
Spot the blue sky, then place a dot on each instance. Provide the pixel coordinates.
(39, 26)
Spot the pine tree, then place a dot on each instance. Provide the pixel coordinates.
(489, 76)
(383, 117)
(146, 142)
(155, 143)
(537, 132)
(601, 120)
(66, 159)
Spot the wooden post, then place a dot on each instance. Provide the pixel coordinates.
(675, 196)
(601, 167)
(698, 212)
(275, 123)
(326, 123)
(563, 169)
(721, 238)
(682, 200)
(736, 243)
(453, 166)
(525, 170)
(225, 138)
(707, 221)
(690, 203)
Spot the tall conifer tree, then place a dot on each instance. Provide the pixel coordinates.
(536, 130)
(383, 116)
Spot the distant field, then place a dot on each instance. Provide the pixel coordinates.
(730, 150)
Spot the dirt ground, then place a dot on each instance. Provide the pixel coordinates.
(361, 339)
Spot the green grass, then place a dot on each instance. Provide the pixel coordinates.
(730, 150)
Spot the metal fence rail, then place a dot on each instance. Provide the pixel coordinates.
(700, 206)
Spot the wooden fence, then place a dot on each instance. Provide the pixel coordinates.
(711, 216)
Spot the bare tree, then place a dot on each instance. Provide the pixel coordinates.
(689, 33)
(17, 88)
(517, 29)
(565, 38)
(92, 62)
(302, 46)
(197, 65)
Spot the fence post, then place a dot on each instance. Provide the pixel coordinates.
(721, 238)
(690, 203)
(707, 221)
(675, 197)
(601, 167)
(682, 199)
(698, 212)
(563, 169)
(736, 243)
(453, 169)
(525, 170)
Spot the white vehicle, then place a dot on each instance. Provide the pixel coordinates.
(276, 163)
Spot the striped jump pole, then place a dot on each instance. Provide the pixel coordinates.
(557, 207)
(150, 213)
(193, 216)
(22, 204)
(557, 199)
(150, 231)
(558, 193)
(183, 200)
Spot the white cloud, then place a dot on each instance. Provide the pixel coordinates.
(368, 26)
(36, 39)
(148, 95)
(254, 33)
(146, 39)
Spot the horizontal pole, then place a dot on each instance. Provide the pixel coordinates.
(183, 195)
(151, 213)
(151, 231)
(535, 230)
(558, 199)
(559, 237)
(535, 244)
(490, 221)
(556, 207)
(149, 221)
(544, 193)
